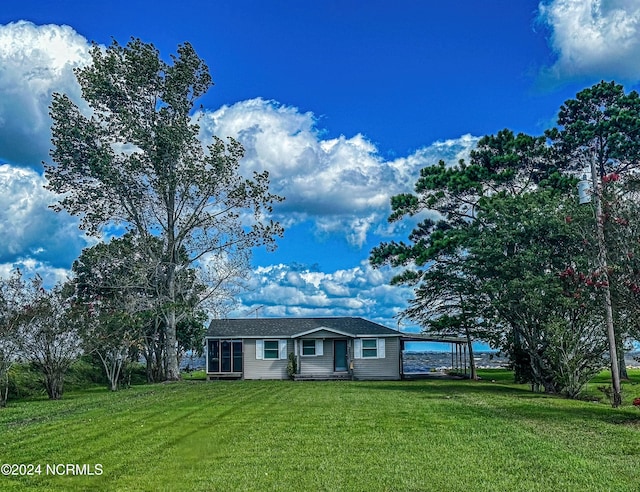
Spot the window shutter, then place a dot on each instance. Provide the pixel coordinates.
(381, 354)
(283, 348)
(357, 349)
(319, 346)
(259, 349)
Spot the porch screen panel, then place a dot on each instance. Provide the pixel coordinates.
(237, 356)
(213, 352)
(226, 356)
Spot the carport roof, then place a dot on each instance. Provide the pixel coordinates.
(420, 337)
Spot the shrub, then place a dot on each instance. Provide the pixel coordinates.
(292, 365)
(25, 381)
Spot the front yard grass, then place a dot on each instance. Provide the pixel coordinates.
(280, 435)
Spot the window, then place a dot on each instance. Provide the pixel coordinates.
(313, 347)
(308, 347)
(271, 350)
(369, 348)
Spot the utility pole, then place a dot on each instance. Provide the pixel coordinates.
(616, 400)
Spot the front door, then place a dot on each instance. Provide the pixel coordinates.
(340, 355)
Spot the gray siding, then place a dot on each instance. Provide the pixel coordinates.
(318, 365)
(387, 368)
(263, 369)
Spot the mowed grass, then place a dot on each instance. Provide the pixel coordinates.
(283, 435)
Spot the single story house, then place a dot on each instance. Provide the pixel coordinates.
(325, 348)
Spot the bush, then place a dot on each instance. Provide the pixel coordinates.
(292, 366)
(83, 373)
(25, 381)
(132, 374)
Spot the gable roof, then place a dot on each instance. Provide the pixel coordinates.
(292, 327)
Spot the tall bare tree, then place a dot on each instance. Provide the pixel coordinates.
(136, 161)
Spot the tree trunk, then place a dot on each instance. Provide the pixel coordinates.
(154, 352)
(622, 365)
(171, 338)
(149, 363)
(109, 370)
(616, 399)
(171, 356)
(54, 382)
(472, 362)
(4, 389)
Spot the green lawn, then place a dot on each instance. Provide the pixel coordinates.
(282, 435)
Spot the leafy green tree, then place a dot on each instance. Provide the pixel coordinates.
(489, 267)
(602, 123)
(135, 160)
(525, 247)
(452, 197)
(451, 292)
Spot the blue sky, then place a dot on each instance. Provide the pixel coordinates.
(342, 101)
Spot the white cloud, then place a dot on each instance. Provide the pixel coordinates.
(29, 229)
(594, 38)
(343, 184)
(294, 290)
(29, 267)
(35, 61)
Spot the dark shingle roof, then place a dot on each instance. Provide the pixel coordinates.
(286, 327)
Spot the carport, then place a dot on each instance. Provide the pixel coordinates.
(461, 357)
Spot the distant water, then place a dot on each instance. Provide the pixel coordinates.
(418, 362)
(192, 362)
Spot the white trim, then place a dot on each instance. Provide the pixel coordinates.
(342, 334)
(259, 349)
(282, 345)
(381, 349)
(322, 328)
